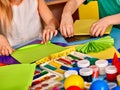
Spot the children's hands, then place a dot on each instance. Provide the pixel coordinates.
(66, 26)
(5, 48)
(48, 33)
(99, 27)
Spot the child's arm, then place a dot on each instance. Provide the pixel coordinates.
(5, 48)
(99, 27)
(50, 21)
(66, 25)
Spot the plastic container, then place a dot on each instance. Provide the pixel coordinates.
(70, 72)
(83, 63)
(111, 73)
(86, 73)
(101, 64)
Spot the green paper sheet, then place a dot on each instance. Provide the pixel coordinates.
(32, 53)
(82, 27)
(16, 77)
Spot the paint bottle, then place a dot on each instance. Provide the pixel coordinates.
(70, 72)
(86, 73)
(101, 64)
(118, 79)
(83, 63)
(111, 73)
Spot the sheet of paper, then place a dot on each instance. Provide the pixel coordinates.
(106, 54)
(16, 77)
(34, 52)
(82, 27)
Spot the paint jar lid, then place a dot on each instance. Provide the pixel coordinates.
(86, 71)
(101, 63)
(70, 72)
(83, 63)
(111, 69)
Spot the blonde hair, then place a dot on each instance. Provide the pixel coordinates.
(6, 13)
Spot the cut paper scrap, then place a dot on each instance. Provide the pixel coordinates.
(105, 54)
(16, 77)
(35, 52)
(116, 62)
(82, 27)
(96, 45)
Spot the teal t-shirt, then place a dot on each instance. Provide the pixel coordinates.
(107, 8)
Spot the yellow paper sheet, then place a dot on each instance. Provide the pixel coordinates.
(82, 27)
(86, 9)
(106, 54)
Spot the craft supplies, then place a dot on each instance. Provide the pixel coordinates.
(74, 80)
(83, 63)
(46, 77)
(118, 79)
(95, 71)
(99, 85)
(86, 73)
(101, 64)
(48, 85)
(70, 72)
(111, 73)
(40, 74)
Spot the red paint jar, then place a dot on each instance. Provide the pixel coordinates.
(111, 73)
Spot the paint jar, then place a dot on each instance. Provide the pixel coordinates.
(101, 64)
(118, 79)
(111, 73)
(70, 72)
(83, 63)
(86, 73)
(95, 71)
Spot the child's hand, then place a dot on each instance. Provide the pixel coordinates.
(48, 33)
(66, 26)
(99, 27)
(5, 48)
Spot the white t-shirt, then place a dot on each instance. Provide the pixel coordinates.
(26, 24)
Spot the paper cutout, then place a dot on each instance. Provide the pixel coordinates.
(105, 54)
(116, 62)
(16, 77)
(34, 52)
(96, 45)
(82, 27)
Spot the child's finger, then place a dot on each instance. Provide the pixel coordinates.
(103, 31)
(50, 35)
(98, 32)
(55, 32)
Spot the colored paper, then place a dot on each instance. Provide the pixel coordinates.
(82, 27)
(34, 52)
(8, 60)
(105, 54)
(89, 10)
(96, 45)
(16, 77)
